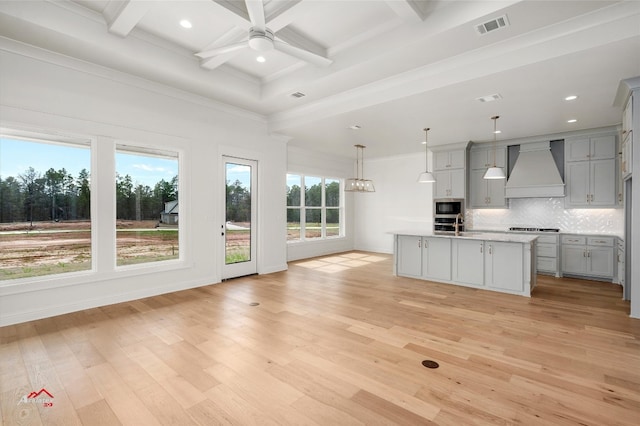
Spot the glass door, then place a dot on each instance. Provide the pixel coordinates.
(239, 229)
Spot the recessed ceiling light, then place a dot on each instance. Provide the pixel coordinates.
(185, 24)
(355, 127)
(489, 98)
(497, 132)
(261, 59)
(298, 95)
(571, 98)
(573, 120)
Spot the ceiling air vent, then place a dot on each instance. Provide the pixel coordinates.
(298, 95)
(493, 24)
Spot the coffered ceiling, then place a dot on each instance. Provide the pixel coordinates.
(391, 67)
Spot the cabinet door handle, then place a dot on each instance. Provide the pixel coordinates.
(426, 244)
(490, 249)
(419, 243)
(587, 198)
(480, 248)
(584, 253)
(588, 253)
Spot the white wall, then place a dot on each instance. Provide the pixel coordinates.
(400, 202)
(41, 91)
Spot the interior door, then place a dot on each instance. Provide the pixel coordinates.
(239, 229)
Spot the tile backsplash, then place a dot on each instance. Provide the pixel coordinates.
(547, 213)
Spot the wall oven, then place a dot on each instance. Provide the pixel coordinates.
(446, 212)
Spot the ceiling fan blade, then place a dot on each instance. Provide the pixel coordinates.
(222, 50)
(216, 61)
(255, 8)
(305, 55)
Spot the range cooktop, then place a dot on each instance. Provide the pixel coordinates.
(531, 229)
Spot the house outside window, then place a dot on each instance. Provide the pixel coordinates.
(147, 203)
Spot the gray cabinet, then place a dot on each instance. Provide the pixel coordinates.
(503, 266)
(436, 258)
(588, 256)
(626, 146)
(449, 184)
(547, 254)
(590, 168)
(409, 256)
(449, 172)
(468, 261)
(423, 257)
(446, 160)
(486, 193)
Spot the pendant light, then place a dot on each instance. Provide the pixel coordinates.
(494, 172)
(426, 176)
(358, 184)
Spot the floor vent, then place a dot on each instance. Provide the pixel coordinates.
(430, 364)
(492, 25)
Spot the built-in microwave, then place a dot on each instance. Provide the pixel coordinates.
(448, 207)
(446, 213)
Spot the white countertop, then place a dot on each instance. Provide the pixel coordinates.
(472, 235)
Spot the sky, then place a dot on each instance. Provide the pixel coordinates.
(16, 156)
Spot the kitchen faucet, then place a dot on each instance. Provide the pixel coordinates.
(456, 225)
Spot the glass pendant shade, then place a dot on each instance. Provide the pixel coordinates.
(494, 172)
(426, 176)
(359, 184)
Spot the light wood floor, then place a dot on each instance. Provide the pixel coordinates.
(334, 341)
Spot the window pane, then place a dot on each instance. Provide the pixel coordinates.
(333, 222)
(312, 191)
(313, 225)
(293, 224)
(332, 192)
(238, 213)
(45, 208)
(293, 190)
(146, 206)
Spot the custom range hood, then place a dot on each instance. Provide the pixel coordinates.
(535, 173)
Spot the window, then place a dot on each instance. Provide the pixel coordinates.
(316, 215)
(147, 219)
(45, 206)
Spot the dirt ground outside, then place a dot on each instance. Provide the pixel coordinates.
(56, 247)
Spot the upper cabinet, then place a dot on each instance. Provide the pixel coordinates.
(449, 171)
(626, 155)
(446, 160)
(590, 167)
(486, 193)
(596, 148)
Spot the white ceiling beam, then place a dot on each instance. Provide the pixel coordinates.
(293, 38)
(122, 17)
(281, 14)
(238, 11)
(407, 10)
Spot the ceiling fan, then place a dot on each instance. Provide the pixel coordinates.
(262, 39)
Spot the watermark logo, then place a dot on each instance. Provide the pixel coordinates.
(43, 397)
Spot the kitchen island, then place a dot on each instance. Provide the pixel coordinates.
(492, 261)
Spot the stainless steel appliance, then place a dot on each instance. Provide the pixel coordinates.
(446, 213)
(532, 229)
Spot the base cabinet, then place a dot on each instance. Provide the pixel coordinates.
(588, 256)
(503, 266)
(436, 258)
(424, 257)
(468, 262)
(498, 265)
(409, 256)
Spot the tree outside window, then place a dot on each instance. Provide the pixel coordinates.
(317, 214)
